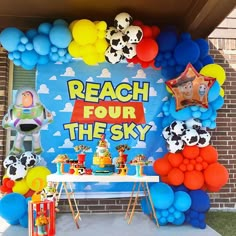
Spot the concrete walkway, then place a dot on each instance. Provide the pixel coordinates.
(111, 225)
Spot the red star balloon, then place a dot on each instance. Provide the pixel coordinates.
(190, 88)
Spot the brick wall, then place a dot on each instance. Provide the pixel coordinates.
(224, 136)
(4, 74)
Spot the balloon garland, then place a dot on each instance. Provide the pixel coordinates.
(191, 167)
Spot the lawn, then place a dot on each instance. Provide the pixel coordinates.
(222, 222)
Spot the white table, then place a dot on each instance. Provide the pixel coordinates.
(67, 180)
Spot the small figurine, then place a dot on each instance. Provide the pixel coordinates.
(81, 155)
(41, 221)
(121, 160)
(139, 161)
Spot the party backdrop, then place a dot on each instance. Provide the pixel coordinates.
(86, 101)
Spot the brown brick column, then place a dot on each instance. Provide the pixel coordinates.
(4, 74)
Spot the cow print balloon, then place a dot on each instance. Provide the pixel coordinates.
(190, 137)
(29, 159)
(134, 34)
(122, 21)
(113, 56)
(204, 138)
(16, 171)
(118, 41)
(129, 51)
(10, 160)
(177, 127)
(175, 144)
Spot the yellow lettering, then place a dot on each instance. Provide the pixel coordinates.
(100, 112)
(91, 93)
(129, 112)
(143, 131)
(88, 110)
(129, 131)
(120, 96)
(99, 129)
(85, 131)
(107, 91)
(75, 89)
(71, 127)
(143, 91)
(117, 133)
(114, 111)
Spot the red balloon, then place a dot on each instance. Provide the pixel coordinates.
(147, 31)
(216, 175)
(176, 177)
(209, 154)
(175, 159)
(162, 166)
(29, 193)
(190, 152)
(147, 49)
(10, 183)
(155, 31)
(193, 180)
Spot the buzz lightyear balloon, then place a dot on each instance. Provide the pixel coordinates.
(27, 116)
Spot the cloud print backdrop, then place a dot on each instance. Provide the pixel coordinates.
(52, 87)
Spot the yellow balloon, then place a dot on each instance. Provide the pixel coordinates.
(101, 58)
(101, 45)
(222, 92)
(88, 49)
(91, 59)
(101, 34)
(20, 187)
(101, 25)
(72, 25)
(214, 71)
(84, 32)
(168, 90)
(36, 178)
(74, 49)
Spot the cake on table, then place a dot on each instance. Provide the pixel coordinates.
(102, 161)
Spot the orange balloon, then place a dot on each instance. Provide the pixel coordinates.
(216, 175)
(183, 167)
(176, 177)
(162, 166)
(213, 189)
(199, 159)
(175, 159)
(190, 167)
(198, 167)
(193, 179)
(190, 152)
(165, 179)
(204, 165)
(209, 154)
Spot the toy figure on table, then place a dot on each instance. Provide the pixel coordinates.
(139, 161)
(60, 160)
(41, 222)
(122, 158)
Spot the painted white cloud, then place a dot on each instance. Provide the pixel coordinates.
(90, 79)
(70, 185)
(140, 144)
(131, 64)
(159, 149)
(53, 78)
(140, 74)
(88, 187)
(154, 127)
(58, 63)
(43, 89)
(125, 80)
(58, 97)
(42, 162)
(105, 74)
(67, 144)
(54, 113)
(102, 183)
(58, 133)
(51, 150)
(152, 92)
(44, 127)
(160, 81)
(68, 107)
(160, 114)
(151, 159)
(69, 72)
(164, 99)
(90, 150)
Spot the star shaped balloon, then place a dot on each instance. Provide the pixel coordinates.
(190, 88)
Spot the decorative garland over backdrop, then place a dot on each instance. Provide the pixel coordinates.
(191, 167)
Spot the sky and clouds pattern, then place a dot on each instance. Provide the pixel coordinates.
(51, 86)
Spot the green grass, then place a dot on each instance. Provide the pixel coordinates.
(222, 222)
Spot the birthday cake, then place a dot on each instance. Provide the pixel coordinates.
(102, 161)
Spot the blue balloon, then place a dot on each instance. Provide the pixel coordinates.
(214, 92)
(162, 221)
(217, 103)
(10, 38)
(167, 40)
(185, 36)
(27, 67)
(29, 58)
(180, 220)
(60, 36)
(24, 221)
(16, 55)
(44, 28)
(203, 46)
(162, 195)
(29, 46)
(13, 207)
(17, 62)
(177, 214)
(169, 72)
(24, 40)
(60, 22)
(21, 47)
(182, 201)
(164, 213)
(196, 114)
(207, 60)
(183, 114)
(11, 56)
(13, 222)
(206, 114)
(198, 65)
(170, 218)
(43, 60)
(42, 44)
(31, 33)
(200, 200)
(144, 206)
(186, 52)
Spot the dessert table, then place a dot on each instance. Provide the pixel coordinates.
(139, 184)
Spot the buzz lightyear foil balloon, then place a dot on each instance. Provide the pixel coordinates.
(27, 116)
